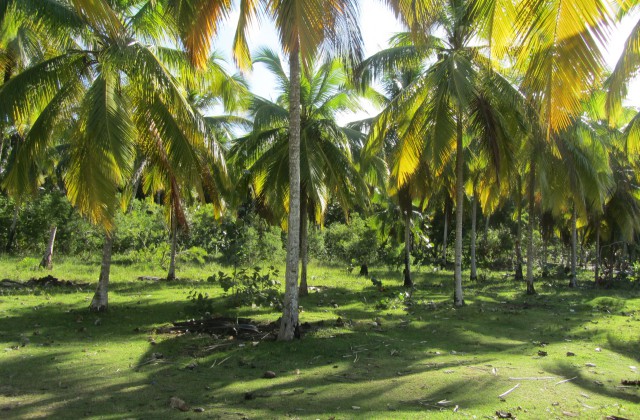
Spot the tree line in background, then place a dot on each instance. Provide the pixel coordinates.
(483, 120)
(247, 240)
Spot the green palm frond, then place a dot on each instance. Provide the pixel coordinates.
(102, 153)
(22, 96)
(625, 68)
(632, 136)
(152, 22)
(271, 60)
(100, 16)
(22, 173)
(249, 10)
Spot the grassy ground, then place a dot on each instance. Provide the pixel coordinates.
(392, 358)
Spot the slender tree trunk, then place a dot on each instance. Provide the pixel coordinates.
(458, 299)
(446, 233)
(518, 270)
(407, 250)
(171, 275)
(289, 321)
(474, 212)
(486, 227)
(304, 250)
(545, 270)
(2, 141)
(100, 301)
(597, 262)
(11, 236)
(532, 181)
(47, 259)
(574, 247)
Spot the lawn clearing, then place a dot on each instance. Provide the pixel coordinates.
(379, 354)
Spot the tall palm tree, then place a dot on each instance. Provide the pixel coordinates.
(305, 29)
(327, 168)
(458, 92)
(119, 87)
(577, 178)
(385, 149)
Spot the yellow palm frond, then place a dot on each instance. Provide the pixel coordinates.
(198, 22)
(560, 55)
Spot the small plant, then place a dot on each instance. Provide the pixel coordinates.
(194, 254)
(28, 263)
(200, 303)
(251, 287)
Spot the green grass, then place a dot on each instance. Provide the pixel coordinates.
(76, 364)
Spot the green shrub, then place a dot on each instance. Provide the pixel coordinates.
(354, 243)
(250, 287)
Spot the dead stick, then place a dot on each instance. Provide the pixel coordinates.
(504, 394)
(540, 378)
(566, 380)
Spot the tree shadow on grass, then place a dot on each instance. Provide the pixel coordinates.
(605, 388)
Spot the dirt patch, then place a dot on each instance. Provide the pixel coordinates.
(240, 328)
(47, 281)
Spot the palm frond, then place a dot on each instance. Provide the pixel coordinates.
(102, 152)
(198, 22)
(626, 67)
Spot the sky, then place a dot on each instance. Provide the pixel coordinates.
(378, 24)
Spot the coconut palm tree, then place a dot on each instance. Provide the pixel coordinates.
(457, 92)
(123, 92)
(576, 179)
(306, 29)
(327, 168)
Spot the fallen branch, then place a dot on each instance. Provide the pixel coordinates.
(253, 395)
(566, 380)
(504, 394)
(215, 362)
(540, 378)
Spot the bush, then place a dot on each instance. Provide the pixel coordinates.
(355, 243)
(35, 218)
(142, 227)
(250, 287)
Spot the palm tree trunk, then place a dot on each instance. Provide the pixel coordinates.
(474, 211)
(304, 250)
(47, 259)
(532, 180)
(100, 301)
(407, 250)
(518, 268)
(545, 270)
(597, 263)
(574, 247)
(446, 233)
(289, 321)
(171, 275)
(11, 236)
(458, 299)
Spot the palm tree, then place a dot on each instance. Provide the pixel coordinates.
(327, 168)
(306, 29)
(577, 178)
(119, 89)
(458, 92)
(381, 152)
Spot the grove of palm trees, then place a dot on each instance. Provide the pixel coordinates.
(444, 227)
